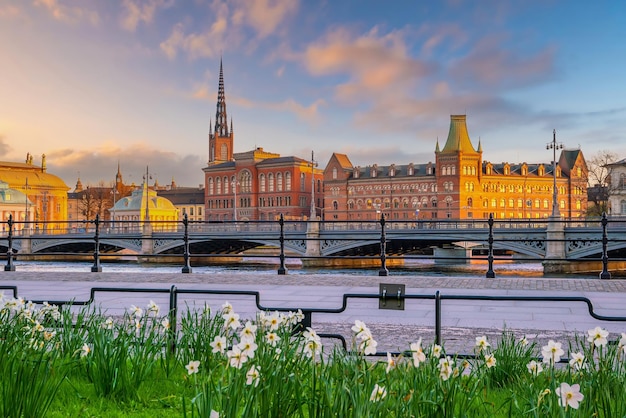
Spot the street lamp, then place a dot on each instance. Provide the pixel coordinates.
(554, 146)
(313, 165)
(234, 184)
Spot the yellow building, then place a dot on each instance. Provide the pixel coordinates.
(46, 192)
(143, 205)
(459, 184)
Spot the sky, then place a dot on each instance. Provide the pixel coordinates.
(94, 83)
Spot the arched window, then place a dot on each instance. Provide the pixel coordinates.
(334, 173)
(335, 205)
(302, 181)
(246, 181)
(279, 182)
(622, 207)
(262, 182)
(226, 185)
(218, 186)
(270, 182)
(223, 152)
(288, 181)
(210, 186)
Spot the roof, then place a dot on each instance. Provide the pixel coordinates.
(137, 201)
(15, 174)
(419, 170)
(458, 138)
(183, 195)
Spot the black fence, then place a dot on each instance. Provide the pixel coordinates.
(393, 300)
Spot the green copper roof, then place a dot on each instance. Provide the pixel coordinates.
(458, 138)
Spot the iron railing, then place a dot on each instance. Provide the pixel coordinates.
(174, 311)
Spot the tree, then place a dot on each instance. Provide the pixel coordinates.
(600, 187)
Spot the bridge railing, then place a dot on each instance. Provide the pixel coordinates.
(484, 236)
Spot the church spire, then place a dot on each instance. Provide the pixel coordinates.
(221, 120)
(458, 138)
(220, 137)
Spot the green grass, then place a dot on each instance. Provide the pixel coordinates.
(56, 363)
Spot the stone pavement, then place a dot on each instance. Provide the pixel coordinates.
(462, 320)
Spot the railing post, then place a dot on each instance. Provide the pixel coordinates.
(96, 268)
(605, 257)
(172, 315)
(186, 267)
(282, 270)
(383, 248)
(437, 318)
(490, 273)
(10, 266)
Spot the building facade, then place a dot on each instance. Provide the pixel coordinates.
(255, 185)
(47, 194)
(188, 200)
(458, 185)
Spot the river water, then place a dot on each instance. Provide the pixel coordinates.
(412, 267)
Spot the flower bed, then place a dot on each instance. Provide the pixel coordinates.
(59, 362)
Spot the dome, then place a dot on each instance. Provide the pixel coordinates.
(137, 202)
(15, 174)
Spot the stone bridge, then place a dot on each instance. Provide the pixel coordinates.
(530, 238)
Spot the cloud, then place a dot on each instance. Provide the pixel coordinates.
(100, 164)
(228, 25)
(264, 16)
(9, 11)
(374, 63)
(5, 148)
(137, 11)
(491, 64)
(66, 13)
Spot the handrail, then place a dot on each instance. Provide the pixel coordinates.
(308, 312)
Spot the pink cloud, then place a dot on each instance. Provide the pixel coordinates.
(373, 63)
(491, 64)
(137, 11)
(66, 13)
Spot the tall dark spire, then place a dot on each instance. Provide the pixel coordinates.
(221, 120)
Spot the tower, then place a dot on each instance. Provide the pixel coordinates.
(458, 171)
(221, 139)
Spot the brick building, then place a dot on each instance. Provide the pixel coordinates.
(458, 185)
(255, 185)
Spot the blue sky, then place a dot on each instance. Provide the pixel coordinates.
(90, 83)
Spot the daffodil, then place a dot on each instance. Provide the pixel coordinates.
(436, 350)
(85, 350)
(193, 367)
(218, 344)
(569, 396)
(598, 336)
(417, 353)
(552, 352)
(490, 361)
(378, 394)
(231, 320)
(153, 308)
(236, 358)
(253, 376)
(534, 368)
(272, 338)
(481, 344)
(391, 362)
(577, 361)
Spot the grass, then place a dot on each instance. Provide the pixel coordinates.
(60, 363)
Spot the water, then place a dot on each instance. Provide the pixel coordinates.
(476, 268)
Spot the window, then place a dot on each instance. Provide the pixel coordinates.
(622, 207)
(219, 186)
(191, 211)
(302, 181)
(334, 173)
(262, 182)
(279, 182)
(223, 152)
(288, 181)
(246, 181)
(335, 205)
(210, 186)
(270, 182)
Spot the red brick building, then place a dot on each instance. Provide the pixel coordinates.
(255, 185)
(458, 185)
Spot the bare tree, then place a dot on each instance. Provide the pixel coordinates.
(600, 187)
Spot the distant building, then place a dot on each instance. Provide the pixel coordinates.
(458, 185)
(144, 205)
(46, 192)
(187, 200)
(617, 187)
(13, 205)
(255, 185)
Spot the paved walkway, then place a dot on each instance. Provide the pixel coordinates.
(462, 320)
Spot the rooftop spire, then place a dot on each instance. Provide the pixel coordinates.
(221, 120)
(458, 138)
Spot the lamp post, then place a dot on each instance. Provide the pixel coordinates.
(234, 183)
(113, 207)
(313, 164)
(25, 205)
(554, 146)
